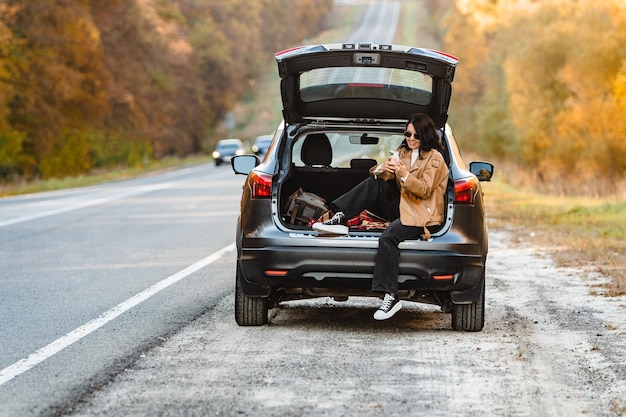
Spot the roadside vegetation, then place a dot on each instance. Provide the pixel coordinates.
(579, 232)
(542, 85)
(88, 84)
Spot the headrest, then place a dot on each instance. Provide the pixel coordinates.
(362, 163)
(316, 150)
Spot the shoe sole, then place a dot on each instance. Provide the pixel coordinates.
(330, 229)
(389, 314)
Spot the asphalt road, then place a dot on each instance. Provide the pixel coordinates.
(377, 23)
(93, 277)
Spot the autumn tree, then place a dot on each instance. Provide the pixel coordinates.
(91, 83)
(546, 87)
(11, 139)
(58, 87)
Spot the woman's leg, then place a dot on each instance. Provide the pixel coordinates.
(369, 192)
(387, 266)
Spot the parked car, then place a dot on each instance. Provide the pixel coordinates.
(345, 106)
(261, 144)
(226, 149)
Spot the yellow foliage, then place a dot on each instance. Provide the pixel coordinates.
(554, 73)
(619, 87)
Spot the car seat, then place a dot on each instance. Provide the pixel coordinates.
(316, 150)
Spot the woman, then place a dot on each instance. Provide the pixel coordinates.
(409, 191)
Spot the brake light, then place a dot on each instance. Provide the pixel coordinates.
(443, 277)
(368, 85)
(286, 51)
(444, 54)
(276, 273)
(465, 190)
(260, 184)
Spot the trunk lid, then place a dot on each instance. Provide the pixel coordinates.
(364, 82)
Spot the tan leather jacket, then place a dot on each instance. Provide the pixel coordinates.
(422, 196)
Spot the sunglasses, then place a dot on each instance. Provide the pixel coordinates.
(407, 135)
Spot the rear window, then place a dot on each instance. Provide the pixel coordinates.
(366, 82)
(346, 147)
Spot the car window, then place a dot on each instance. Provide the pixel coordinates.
(345, 147)
(228, 146)
(366, 82)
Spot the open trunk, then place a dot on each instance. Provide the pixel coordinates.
(328, 165)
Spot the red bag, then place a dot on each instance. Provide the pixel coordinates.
(366, 220)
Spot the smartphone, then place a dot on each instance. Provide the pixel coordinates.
(394, 154)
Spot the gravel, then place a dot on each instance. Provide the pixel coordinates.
(549, 348)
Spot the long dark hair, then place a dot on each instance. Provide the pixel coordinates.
(425, 130)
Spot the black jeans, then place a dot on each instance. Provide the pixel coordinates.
(383, 198)
(376, 195)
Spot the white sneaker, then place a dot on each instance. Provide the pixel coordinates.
(390, 306)
(331, 229)
(332, 226)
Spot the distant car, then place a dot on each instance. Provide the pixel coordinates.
(261, 144)
(345, 107)
(226, 149)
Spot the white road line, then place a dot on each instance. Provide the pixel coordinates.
(89, 203)
(63, 342)
(136, 190)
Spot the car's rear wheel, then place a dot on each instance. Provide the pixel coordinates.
(249, 311)
(470, 317)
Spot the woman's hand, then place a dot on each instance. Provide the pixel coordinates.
(396, 166)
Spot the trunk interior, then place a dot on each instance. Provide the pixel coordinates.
(329, 165)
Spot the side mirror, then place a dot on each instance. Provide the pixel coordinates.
(243, 164)
(482, 170)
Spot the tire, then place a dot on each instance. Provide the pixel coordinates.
(470, 317)
(249, 311)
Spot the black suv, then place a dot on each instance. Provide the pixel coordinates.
(345, 107)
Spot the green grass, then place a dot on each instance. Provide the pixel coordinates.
(93, 178)
(580, 232)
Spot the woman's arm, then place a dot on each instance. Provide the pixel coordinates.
(422, 182)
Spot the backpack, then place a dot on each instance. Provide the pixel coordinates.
(304, 207)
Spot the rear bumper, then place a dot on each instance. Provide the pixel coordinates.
(349, 270)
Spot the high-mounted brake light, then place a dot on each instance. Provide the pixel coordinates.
(368, 85)
(260, 184)
(465, 190)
